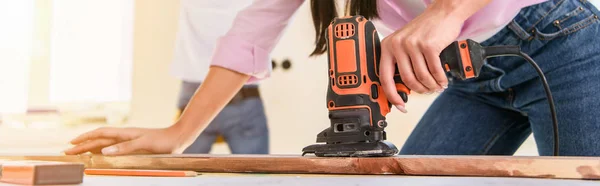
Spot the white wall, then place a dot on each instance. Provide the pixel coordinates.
(15, 54)
(154, 90)
(91, 51)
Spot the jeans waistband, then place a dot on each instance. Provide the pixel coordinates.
(532, 18)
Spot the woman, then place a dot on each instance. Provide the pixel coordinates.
(491, 114)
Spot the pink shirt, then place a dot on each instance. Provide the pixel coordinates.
(245, 48)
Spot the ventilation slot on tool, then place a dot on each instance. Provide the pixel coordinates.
(346, 80)
(344, 30)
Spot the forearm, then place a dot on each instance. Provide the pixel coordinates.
(458, 9)
(218, 88)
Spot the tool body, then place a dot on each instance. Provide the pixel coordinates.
(355, 99)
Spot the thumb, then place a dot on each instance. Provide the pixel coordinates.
(122, 148)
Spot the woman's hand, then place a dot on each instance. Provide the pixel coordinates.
(415, 48)
(207, 102)
(122, 141)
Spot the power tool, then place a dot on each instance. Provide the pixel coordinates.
(355, 99)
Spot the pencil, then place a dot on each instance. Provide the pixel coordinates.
(137, 172)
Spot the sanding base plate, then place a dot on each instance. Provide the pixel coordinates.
(373, 149)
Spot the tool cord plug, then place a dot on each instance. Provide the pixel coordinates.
(497, 51)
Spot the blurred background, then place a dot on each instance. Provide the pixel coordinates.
(69, 66)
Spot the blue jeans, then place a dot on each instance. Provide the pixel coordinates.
(243, 125)
(495, 113)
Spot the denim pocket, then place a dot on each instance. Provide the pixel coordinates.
(564, 20)
(569, 16)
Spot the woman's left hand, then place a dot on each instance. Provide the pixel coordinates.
(125, 141)
(415, 50)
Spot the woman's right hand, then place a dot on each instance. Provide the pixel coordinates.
(123, 141)
(415, 48)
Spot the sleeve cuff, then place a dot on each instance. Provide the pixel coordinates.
(234, 53)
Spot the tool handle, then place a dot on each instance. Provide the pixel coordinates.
(462, 59)
(401, 88)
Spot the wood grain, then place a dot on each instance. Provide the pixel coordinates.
(487, 166)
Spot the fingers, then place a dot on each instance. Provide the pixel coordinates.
(435, 67)
(93, 146)
(420, 67)
(405, 67)
(98, 133)
(105, 132)
(128, 147)
(387, 69)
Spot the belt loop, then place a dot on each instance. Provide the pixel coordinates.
(519, 31)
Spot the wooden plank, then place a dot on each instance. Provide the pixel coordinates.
(487, 166)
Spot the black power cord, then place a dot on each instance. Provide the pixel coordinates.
(496, 51)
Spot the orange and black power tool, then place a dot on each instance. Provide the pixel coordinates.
(355, 99)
